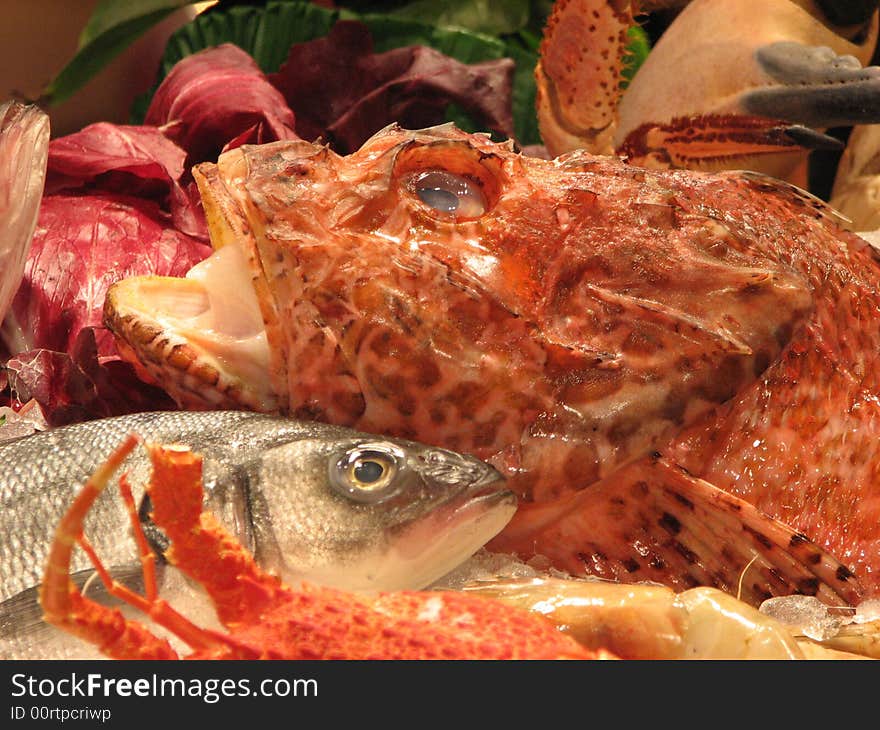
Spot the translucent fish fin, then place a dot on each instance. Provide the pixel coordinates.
(652, 521)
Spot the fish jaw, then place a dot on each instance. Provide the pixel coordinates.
(200, 337)
(422, 552)
(205, 339)
(229, 224)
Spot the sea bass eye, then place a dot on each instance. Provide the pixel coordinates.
(368, 473)
(449, 193)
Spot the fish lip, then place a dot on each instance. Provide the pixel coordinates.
(450, 534)
(488, 491)
(487, 499)
(483, 498)
(485, 490)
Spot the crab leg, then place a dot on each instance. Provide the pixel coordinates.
(147, 557)
(62, 603)
(714, 141)
(814, 86)
(116, 636)
(785, 62)
(725, 87)
(200, 547)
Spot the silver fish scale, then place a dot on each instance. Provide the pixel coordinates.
(40, 474)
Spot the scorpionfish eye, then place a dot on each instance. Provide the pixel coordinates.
(449, 193)
(450, 181)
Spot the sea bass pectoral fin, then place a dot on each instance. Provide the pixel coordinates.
(652, 521)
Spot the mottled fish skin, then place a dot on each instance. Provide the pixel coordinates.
(267, 479)
(594, 318)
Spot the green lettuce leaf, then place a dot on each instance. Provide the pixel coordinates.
(467, 30)
(113, 27)
(636, 52)
(494, 17)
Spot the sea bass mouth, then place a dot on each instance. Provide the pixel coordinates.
(420, 552)
(446, 538)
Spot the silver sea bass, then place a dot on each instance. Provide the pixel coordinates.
(310, 500)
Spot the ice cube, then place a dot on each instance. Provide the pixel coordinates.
(867, 611)
(806, 614)
(21, 423)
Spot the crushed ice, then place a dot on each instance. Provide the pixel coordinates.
(488, 567)
(867, 611)
(23, 422)
(808, 615)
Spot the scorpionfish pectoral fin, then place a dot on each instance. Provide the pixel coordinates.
(653, 521)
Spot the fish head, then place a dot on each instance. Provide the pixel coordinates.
(366, 513)
(559, 318)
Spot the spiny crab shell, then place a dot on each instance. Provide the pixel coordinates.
(264, 617)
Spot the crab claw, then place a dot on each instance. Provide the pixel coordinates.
(786, 62)
(695, 102)
(578, 74)
(66, 608)
(814, 86)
